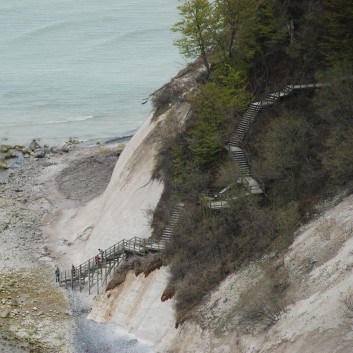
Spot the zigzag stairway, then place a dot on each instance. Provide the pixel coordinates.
(96, 273)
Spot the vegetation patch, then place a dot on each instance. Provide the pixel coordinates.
(301, 147)
(346, 307)
(34, 314)
(138, 264)
(262, 304)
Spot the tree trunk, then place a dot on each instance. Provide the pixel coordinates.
(232, 38)
(205, 61)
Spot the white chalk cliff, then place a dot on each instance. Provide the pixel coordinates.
(320, 265)
(121, 213)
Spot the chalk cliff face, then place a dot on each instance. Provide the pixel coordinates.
(136, 306)
(311, 318)
(121, 213)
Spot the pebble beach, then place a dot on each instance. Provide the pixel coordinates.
(35, 315)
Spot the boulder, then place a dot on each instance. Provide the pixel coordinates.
(73, 141)
(34, 145)
(3, 164)
(19, 147)
(64, 148)
(54, 149)
(39, 153)
(14, 302)
(10, 154)
(4, 148)
(26, 150)
(4, 314)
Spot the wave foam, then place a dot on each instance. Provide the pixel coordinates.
(53, 122)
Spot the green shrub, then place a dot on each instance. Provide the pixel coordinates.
(285, 145)
(167, 95)
(263, 302)
(337, 159)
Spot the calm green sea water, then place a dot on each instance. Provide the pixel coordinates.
(81, 67)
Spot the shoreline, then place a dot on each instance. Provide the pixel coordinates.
(20, 152)
(32, 190)
(85, 142)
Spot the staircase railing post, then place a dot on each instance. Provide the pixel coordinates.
(79, 278)
(97, 281)
(89, 276)
(102, 275)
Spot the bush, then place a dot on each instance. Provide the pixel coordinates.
(285, 145)
(167, 134)
(334, 102)
(263, 302)
(346, 308)
(334, 105)
(167, 95)
(337, 159)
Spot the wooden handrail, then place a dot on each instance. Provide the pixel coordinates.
(246, 120)
(92, 270)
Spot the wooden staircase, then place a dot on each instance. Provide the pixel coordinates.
(96, 273)
(235, 144)
(168, 230)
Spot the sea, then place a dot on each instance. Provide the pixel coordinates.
(82, 68)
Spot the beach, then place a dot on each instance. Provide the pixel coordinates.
(31, 303)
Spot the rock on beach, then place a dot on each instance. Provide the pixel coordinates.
(3, 164)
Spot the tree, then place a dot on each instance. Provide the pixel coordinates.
(237, 17)
(214, 107)
(285, 145)
(335, 107)
(196, 29)
(337, 159)
(271, 27)
(334, 102)
(338, 22)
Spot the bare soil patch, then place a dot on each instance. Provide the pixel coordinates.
(86, 179)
